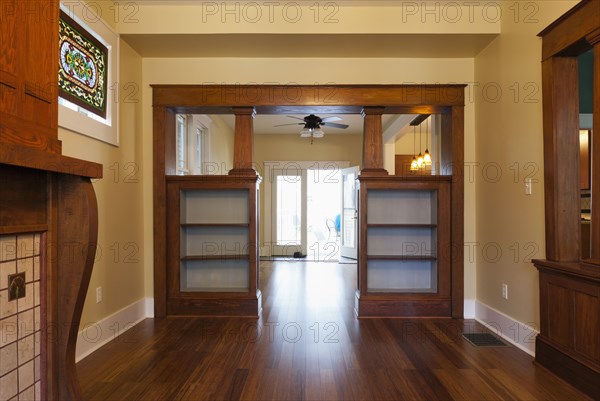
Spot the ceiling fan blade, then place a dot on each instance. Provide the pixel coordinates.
(335, 125)
(297, 118)
(330, 119)
(283, 125)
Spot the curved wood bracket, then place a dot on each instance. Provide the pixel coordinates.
(76, 241)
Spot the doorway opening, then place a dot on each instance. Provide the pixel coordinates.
(312, 209)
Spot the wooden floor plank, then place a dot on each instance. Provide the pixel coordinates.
(308, 345)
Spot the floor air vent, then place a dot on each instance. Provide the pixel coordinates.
(484, 340)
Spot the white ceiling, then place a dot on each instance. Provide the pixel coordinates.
(264, 124)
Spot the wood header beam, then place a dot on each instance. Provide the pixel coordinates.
(183, 96)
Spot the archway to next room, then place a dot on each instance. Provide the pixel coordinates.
(206, 248)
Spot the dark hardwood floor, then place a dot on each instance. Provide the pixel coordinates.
(309, 346)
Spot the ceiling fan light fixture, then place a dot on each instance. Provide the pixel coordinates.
(318, 133)
(305, 133)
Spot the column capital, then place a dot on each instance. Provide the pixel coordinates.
(372, 111)
(244, 111)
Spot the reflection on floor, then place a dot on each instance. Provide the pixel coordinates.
(308, 345)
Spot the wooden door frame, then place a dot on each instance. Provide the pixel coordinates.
(369, 100)
(560, 345)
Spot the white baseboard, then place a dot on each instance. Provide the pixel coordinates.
(149, 307)
(469, 309)
(95, 334)
(521, 335)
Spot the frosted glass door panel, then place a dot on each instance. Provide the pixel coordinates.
(213, 241)
(215, 275)
(402, 276)
(402, 207)
(413, 241)
(289, 209)
(214, 206)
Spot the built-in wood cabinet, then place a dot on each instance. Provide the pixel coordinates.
(404, 245)
(569, 340)
(212, 232)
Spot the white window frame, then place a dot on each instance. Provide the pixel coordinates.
(182, 127)
(201, 123)
(75, 118)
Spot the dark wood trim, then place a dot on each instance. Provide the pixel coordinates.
(372, 151)
(569, 340)
(595, 162)
(77, 213)
(163, 128)
(572, 371)
(374, 100)
(457, 207)
(566, 35)
(355, 97)
(243, 149)
(393, 305)
(33, 158)
(561, 173)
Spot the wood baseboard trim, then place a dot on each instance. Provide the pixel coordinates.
(365, 307)
(216, 307)
(562, 365)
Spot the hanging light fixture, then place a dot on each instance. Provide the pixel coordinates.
(305, 132)
(420, 157)
(413, 164)
(427, 155)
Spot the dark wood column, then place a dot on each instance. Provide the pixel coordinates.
(561, 182)
(373, 142)
(452, 163)
(595, 233)
(243, 152)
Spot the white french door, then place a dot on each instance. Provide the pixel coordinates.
(349, 214)
(288, 195)
(289, 212)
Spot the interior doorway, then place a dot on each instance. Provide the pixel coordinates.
(304, 210)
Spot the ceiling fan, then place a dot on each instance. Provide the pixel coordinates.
(312, 125)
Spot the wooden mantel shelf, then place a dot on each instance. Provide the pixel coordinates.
(23, 156)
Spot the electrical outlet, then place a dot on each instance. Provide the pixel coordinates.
(528, 186)
(98, 294)
(505, 291)
(16, 286)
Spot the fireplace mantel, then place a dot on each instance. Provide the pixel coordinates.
(51, 196)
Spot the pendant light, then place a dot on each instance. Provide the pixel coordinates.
(413, 164)
(420, 157)
(427, 155)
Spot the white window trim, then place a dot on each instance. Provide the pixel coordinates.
(202, 122)
(185, 170)
(79, 122)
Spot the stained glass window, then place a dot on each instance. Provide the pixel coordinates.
(82, 67)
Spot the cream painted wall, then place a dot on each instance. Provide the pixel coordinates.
(120, 258)
(510, 224)
(301, 17)
(304, 71)
(333, 147)
(221, 145)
